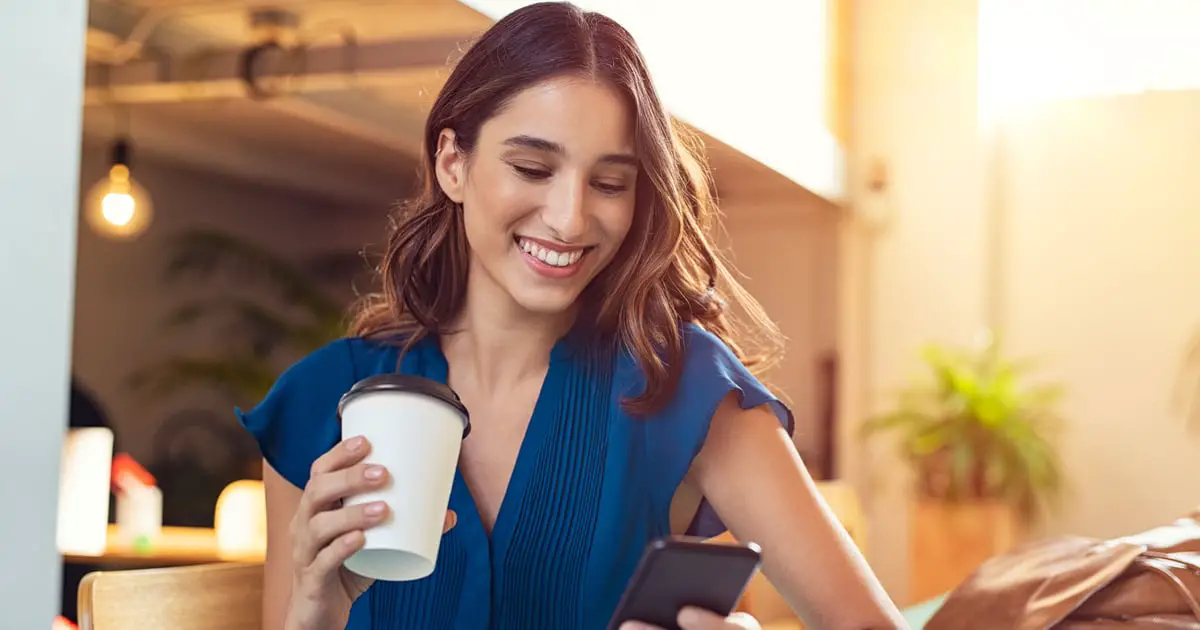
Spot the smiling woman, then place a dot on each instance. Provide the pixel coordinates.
(557, 273)
(566, 145)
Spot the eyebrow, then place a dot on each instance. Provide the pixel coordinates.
(548, 146)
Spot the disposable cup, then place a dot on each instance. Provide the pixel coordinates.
(415, 427)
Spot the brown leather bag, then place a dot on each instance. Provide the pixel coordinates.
(1146, 581)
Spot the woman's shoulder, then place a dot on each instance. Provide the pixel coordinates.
(710, 371)
(296, 420)
(705, 357)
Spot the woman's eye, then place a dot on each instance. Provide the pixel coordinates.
(609, 188)
(531, 173)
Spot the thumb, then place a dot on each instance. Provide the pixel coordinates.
(692, 618)
(450, 522)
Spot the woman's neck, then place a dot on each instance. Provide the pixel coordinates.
(497, 344)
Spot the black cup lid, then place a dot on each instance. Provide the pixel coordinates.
(407, 383)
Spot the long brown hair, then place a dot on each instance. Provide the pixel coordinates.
(667, 270)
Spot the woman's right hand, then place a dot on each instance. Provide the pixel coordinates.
(325, 533)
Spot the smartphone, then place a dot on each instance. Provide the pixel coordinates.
(679, 571)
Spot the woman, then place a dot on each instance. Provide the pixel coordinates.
(556, 273)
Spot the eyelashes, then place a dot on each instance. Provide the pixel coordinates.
(532, 174)
(541, 174)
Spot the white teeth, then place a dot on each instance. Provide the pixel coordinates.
(549, 256)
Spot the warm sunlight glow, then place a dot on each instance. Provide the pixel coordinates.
(1040, 50)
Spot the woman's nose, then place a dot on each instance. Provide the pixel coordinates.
(566, 212)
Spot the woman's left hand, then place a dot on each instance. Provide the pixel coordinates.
(699, 619)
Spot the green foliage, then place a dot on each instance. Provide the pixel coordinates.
(282, 311)
(978, 431)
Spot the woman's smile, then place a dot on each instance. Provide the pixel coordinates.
(551, 260)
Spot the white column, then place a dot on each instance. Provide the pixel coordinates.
(41, 74)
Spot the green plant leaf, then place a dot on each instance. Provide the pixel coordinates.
(246, 379)
(280, 312)
(203, 254)
(990, 430)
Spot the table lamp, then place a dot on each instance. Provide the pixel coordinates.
(241, 519)
(84, 490)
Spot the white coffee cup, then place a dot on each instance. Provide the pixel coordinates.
(415, 427)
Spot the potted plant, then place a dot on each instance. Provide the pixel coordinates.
(281, 311)
(981, 442)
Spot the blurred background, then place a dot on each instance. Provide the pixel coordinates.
(975, 220)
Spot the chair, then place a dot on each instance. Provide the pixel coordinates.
(201, 597)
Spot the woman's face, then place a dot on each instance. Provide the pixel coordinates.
(548, 192)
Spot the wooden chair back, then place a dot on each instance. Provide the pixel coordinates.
(224, 596)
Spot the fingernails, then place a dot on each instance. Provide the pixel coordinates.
(354, 444)
(375, 509)
(374, 472)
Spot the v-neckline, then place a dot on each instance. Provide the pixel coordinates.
(436, 367)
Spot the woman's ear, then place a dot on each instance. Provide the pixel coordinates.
(449, 164)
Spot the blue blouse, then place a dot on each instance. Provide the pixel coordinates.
(592, 486)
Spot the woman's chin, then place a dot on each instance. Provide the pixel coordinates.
(546, 301)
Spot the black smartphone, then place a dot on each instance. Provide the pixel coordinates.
(680, 571)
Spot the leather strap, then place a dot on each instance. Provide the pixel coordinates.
(1181, 571)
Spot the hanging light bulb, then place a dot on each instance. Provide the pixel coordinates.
(116, 206)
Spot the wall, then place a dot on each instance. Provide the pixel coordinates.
(1072, 226)
(121, 299)
(1102, 268)
(41, 59)
(921, 277)
(789, 262)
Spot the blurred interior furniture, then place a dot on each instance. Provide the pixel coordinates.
(196, 455)
(202, 597)
(827, 388)
(83, 494)
(176, 546)
(948, 541)
(241, 519)
(240, 536)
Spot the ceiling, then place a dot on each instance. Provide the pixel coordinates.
(347, 137)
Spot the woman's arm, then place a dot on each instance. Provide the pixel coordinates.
(283, 499)
(749, 470)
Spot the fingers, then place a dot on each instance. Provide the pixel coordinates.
(333, 555)
(336, 475)
(326, 526)
(699, 619)
(347, 452)
(450, 522)
(324, 491)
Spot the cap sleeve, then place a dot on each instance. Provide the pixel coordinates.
(710, 373)
(297, 420)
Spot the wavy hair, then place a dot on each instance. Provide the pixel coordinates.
(666, 272)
